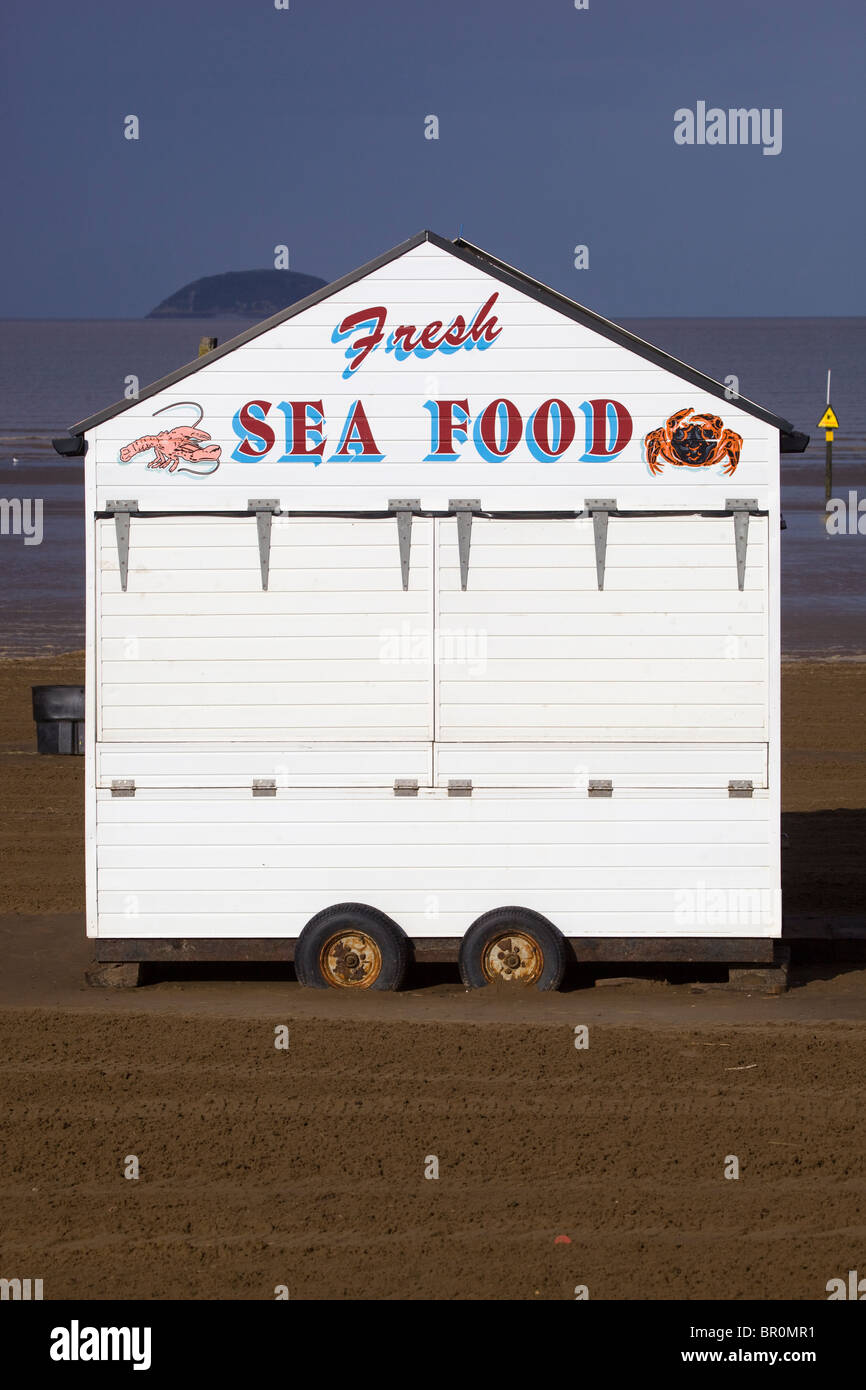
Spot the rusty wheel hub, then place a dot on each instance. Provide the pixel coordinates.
(350, 960)
(514, 957)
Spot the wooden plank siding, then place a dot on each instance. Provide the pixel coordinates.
(173, 864)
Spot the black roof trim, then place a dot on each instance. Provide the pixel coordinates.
(73, 447)
(793, 442)
(499, 270)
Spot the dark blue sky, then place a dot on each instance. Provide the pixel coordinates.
(306, 127)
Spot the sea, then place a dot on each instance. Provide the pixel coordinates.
(54, 373)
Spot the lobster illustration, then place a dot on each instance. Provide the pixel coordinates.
(693, 441)
(174, 446)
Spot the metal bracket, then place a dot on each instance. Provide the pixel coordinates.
(404, 507)
(463, 507)
(406, 786)
(124, 786)
(459, 786)
(264, 509)
(738, 788)
(599, 508)
(122, 507)
(599, 787)
(264, 786)
(741, 507)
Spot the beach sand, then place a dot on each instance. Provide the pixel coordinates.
(305, 1167)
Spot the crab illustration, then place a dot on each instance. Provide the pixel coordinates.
(171, 446)
(693, 441)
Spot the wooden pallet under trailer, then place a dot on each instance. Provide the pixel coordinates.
(759, 963)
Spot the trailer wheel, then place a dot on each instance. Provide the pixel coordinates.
(512, 945)
(351, 946)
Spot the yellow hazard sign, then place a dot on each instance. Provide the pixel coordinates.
(828, 420)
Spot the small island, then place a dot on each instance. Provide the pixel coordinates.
(248, 294)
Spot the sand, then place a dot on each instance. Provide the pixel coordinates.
(305, 1167)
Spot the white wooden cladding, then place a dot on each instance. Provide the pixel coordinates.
(628, 766)
(377, 764)
(563, 690)
(532, 651)
(230, 865)
(191, 765)
(341, 683)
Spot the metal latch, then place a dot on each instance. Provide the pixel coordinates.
(599, 786)
(459, 786)
(741, 507)
(123, 786)
(122, 507)
(404, 507)
(264, 786)
(738, 788)
(599, 508)
(406, 786)
(463, 507)
(264, 509)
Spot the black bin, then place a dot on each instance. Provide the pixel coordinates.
(59, 714)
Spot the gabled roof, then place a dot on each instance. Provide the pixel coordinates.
(792, 441)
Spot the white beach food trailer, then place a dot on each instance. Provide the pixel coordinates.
(436, 615)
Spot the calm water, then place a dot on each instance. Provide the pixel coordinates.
(52, 374)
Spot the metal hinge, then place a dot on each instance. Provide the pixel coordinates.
(123, 786)
(463, 507)
(741, 507)
(406, 786)
(740, 788)
(122, 507)
(599, 787)
(459, 786)
(264, 509)
(264, 786)
(599, 508)
(403, 508)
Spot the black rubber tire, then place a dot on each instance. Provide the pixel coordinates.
(503, 919)
(391, 940)
(57, 702)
